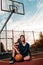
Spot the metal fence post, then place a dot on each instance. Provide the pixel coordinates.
(33, 36)
(0, 42)
(6, 36)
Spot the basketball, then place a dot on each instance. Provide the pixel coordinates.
(18, 57)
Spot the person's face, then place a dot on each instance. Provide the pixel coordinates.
(22, 39)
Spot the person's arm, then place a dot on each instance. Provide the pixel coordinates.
(15, 46)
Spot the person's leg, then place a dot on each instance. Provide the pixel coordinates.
(26, 58)
(12, 60)
(13, 51)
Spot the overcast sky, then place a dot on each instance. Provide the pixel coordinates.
(31, 21)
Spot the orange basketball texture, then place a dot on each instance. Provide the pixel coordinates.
(18, 57)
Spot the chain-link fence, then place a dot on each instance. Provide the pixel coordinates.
(12, 36)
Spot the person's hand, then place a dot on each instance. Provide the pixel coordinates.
(15, 45)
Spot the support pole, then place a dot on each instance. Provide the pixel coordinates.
(23, 32)
(12, 37)
(6, 36)
(33, 36)
(6, 30)
(0, 43)
(6, 22)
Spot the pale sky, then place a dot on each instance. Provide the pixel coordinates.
(31, 21)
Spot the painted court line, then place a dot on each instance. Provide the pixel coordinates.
(37, 59)
(32, 60)
(5, 61)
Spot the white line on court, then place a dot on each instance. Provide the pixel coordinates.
(37, 59)
(32, 60)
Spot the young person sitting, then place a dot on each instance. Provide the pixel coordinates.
(23, 48)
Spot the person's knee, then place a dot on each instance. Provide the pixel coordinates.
(13, 47)
(27, 58)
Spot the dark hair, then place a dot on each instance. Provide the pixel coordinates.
(18, 40)
(23, 37)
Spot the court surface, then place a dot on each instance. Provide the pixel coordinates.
(36, 60)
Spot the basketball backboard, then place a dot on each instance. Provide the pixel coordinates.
(9, 5)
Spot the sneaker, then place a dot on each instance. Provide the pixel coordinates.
(12, 60)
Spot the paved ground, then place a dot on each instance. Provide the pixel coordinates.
(36, 60)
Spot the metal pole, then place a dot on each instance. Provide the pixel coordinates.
(6, 36)
(0, 37)
(12, 37)
(0, 43)
(6, 21)
(33, 36)
(4, 26)
(23, 32)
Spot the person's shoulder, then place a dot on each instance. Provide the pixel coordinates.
(27, 43)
